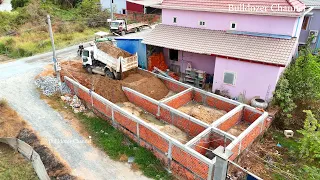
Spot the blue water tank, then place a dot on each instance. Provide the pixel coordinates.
(133, 45)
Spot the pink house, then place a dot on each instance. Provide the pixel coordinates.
(244, 45)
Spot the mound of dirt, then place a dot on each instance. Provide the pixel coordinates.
(112, 50)
(110, 89)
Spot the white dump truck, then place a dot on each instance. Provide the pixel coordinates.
(106, 59)
(121, 27)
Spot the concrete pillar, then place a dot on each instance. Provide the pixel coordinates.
(221, 165)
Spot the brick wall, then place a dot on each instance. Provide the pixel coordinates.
(190, 162)
(180, 100)
(174, 86)
(231, 121)
(153, 138)
(139, 17)
(213, 102)
(250, 116)
(250, 137)
(139, 101)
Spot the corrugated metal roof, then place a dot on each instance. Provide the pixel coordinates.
(311, 3)
(260, 49)
(223, 6)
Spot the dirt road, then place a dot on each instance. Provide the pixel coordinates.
(17, 86)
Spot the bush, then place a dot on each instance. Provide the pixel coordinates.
(19, 3)
(310, 142)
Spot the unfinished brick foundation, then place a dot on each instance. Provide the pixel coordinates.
(185, 159)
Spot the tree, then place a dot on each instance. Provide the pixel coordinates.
(19, 3)
(299, 89)
(310, 142)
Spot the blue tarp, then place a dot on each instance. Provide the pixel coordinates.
(134, 46)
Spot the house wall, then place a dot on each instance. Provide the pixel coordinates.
(117, 4)
(198, 61)
(314, 24)
(135, 7)
(250, 23)
(252, 78)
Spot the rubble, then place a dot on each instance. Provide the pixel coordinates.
(50, 86)
(74, 102)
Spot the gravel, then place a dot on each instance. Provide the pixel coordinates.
(50, 86)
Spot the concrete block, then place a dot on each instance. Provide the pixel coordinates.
(288, 133)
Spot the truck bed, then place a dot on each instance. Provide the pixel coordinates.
(135, 25)
(112, 50)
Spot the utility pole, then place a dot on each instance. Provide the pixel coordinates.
(111, 9)
(56, 64)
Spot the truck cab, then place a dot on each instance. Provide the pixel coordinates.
(87, 57)
(118, 26)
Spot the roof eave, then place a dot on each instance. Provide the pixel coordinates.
(298, 14)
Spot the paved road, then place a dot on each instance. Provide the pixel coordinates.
(17, 86)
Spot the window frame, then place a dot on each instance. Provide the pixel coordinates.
(170, 55)
(202, 23)
(235, 25)
(174, 20)
(234, 79)
(307, 25)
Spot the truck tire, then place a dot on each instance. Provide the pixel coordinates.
(118, 76)
(89, 69)
(109, 74)
(136, 30)
(123, 33)
(139, 29)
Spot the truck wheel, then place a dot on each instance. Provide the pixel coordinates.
(118, 76)
(89, 69)
(109, 74)
(136, 30)
(139, 29)
(123, 33)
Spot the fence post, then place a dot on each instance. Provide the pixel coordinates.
(221, 165)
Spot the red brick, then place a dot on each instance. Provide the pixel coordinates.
(198, 97)
(165, 115)
(125, 122)
(227, 124)
(191, 128)
(189, 161)
(219, 104)
(70, 85)
(174, 86)
(153, 138)
(250, 116)
(143, 103)
(181, 171)
(235, 151)
(250, 137)
(181, 100)
(84, 96)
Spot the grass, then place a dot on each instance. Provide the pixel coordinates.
(14, 166)
(114, 143)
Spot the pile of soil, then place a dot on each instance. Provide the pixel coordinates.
(201, 112)
(169, 129)
(112, 50)
(110, 89)
(239, 128)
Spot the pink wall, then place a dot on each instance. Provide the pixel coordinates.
(253, 78)
(221, 21)
(198, 61)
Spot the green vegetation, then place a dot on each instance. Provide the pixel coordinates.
(24, 32)
(299, 90)
(115, 144)
(14, 166)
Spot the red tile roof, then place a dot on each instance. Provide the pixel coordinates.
(294, 7)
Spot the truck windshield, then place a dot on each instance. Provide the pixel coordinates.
(86, 53)
(114, 24)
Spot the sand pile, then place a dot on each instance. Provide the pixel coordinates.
(201, 112)
(110, 89)
(112, 50)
